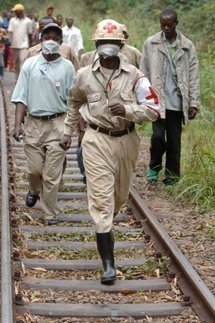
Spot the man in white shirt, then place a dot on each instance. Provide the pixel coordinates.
(20, 31)
(72, 36)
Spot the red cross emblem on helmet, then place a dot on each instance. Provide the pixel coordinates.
(110, 27)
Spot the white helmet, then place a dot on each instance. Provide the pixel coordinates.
(108, 29)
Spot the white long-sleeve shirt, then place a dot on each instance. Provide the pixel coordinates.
(73, 37)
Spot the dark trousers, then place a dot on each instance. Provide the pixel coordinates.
(166, 138)
(80, 160)
(6, 55)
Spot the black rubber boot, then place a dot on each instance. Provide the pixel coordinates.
(105, 245)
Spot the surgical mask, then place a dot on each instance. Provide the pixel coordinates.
(108, 50)
(50, 47)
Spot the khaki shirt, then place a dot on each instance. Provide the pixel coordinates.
(133, 54)
(88, 98)
(88, 58)
(65, 50)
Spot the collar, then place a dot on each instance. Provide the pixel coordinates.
(157, 39)
(122, 65)
(20, 18)
(44, 61)
(175, 43)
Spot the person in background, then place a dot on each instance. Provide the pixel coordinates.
(40, 96)
(133, 54)
(4, 20)
(169, 60)
(59, 20)
(50, 12)
(35, 28)
(8, 51)
(72, 36)
(3, 37)
(20, 31)
(111, 96)
(35, 19)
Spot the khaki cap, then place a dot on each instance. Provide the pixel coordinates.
(18, 7)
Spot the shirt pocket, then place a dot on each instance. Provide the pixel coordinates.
(95, 104)
(127, 97)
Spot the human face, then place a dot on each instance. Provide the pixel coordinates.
(52, 35)
(50, 12)
(168, 26)
(59, 20)
(69, 22)
(19, 13)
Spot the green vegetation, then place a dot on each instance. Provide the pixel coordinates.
(196, 21)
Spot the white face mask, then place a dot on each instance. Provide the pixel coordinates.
(50, 47)
(108, 50)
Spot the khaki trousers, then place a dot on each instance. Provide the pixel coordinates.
(44, 159)
(19, 58)
(109, 163)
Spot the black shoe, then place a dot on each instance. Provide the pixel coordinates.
(31, 199)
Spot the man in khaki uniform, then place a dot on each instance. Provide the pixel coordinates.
(129, 54)
(133, 54)
(111, 96)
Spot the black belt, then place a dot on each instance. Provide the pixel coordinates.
(113, 133)
(49, 117)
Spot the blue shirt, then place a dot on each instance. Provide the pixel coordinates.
(43, 86)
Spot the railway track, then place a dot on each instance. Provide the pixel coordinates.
(51, 273)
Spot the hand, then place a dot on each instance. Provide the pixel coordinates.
(65, 142)
(192, 112)
(17, 133)
(117, 109)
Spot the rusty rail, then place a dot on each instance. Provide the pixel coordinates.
(192, 284)
(6, 274)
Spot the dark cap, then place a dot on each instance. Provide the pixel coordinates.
(45, 21)
(52, 26)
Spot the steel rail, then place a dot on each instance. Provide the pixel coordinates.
(199, 288)
(6, 274)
